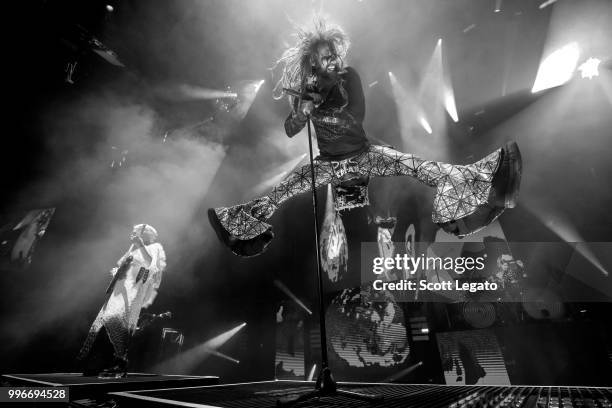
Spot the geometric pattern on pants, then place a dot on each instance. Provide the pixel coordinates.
(460, 189)
(118, 334)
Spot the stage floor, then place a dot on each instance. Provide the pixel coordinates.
(267, 393)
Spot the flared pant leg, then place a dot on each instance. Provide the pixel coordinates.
(468, 197)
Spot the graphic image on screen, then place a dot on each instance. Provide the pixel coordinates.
(366, 334)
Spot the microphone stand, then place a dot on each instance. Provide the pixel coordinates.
(326, 385)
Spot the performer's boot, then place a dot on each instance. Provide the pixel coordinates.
(470, 197)
(118, 370)
(242, 228)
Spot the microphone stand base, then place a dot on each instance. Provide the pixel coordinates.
(326, 386)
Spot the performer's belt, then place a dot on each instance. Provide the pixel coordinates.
(352, 189)
(346, 169)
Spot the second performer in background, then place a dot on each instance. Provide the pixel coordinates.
(134, 286)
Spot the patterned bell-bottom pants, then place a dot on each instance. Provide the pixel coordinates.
(460, 189)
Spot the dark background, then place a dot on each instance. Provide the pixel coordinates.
(57, 150)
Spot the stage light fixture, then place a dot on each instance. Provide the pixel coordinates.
(589, 68)
(557, 68)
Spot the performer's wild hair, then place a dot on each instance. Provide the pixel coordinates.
(297, 62)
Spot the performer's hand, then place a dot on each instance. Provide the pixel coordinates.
(306, 108)
(136, 240)
(316, 98)
(113, 272)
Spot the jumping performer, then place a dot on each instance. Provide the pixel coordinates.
(320, 87)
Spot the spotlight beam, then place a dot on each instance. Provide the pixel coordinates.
(223, 356)
(434, 91)
(448, 94)
(403, 373)
(449, 101)
(423, 121)
(188, 360)
(408, 109)
(221, 339)
(312, 373)
(568, 233)
(280, 172)
(546, 4)
(198, 93)
(280, 285)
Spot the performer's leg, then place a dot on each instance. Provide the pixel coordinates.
(381, 161)
(242, 227)
(468, 197)
(300, 181)
(118, 336)
(100, 355)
